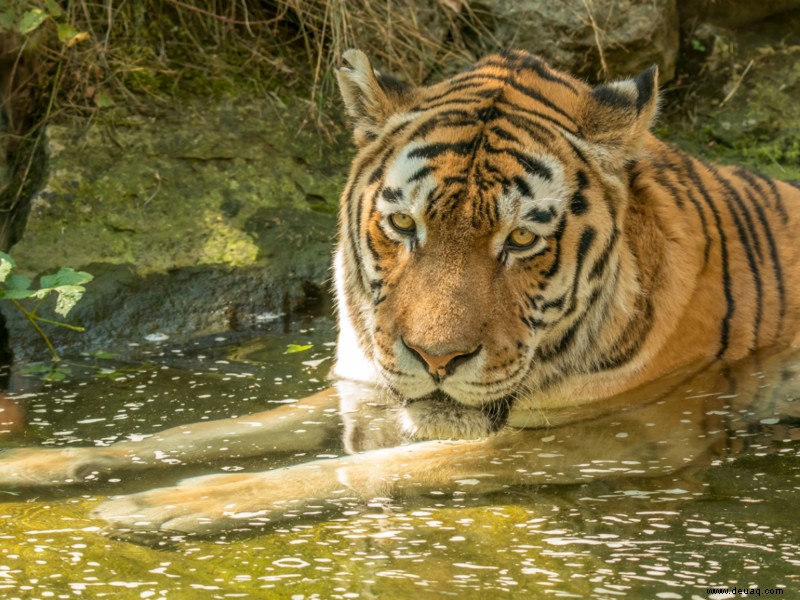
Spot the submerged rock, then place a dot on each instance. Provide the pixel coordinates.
(199, 219)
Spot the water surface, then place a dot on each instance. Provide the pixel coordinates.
(730, 521)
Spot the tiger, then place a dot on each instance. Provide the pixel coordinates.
(521, 264)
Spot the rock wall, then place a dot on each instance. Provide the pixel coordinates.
(740, 101)
(204, 218)
(596, 39)
(732, 13)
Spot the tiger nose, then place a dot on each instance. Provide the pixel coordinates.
(440, 365)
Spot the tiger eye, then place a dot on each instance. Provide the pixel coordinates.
(402, 222)
(521, 238)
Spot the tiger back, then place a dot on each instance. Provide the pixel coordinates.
(515, 243)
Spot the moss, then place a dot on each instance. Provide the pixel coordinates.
(196, 186)
(743, 104)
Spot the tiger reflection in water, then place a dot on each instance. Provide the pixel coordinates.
(531, 289)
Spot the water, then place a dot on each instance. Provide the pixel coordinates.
(726, 520)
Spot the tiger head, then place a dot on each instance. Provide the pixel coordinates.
(480, 237)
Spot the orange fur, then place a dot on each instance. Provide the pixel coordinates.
(652, 259)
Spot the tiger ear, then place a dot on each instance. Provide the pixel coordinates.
(369, 97)
(617, 116)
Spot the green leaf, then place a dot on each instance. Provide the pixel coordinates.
(103, 99)
(65, 276)
(7, 264)
(31, 20)
(292, 348)
(53, 8)
(68, 296)
(55, 376)
(65, 32)
(8, 19)
(104, 355)
(36, 368)
(18, 282)
(17, 294)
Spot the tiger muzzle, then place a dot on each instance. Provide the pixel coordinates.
(440, 366)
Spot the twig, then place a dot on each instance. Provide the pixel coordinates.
(596, 30)
(155, 192)
(58, 323)
(737, 84)
(32, 318)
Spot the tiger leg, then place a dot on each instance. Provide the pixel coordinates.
(300, 426)
(651, 442)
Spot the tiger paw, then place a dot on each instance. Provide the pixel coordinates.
(37, 467)
(200, 505)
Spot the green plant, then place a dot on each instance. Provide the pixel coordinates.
(698, 45)
(67, 284)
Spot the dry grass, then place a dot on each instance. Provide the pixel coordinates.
(104, 51)
(408, 38)
(81, 56)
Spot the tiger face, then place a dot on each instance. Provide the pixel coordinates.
(489, 257)
(478, 226)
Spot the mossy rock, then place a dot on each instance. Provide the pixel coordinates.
(744, 98)
(198, 218)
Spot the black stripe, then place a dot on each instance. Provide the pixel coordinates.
(556, 303)
(352, 236)
(557, 236)
(523, 89)
(540, 215)
(774, 258)
(377, 174)
(452, 102)
(730, 304)
(392, 195)
(371, 246)
(538, 67)
(578, 152)
(536, 96)
(421, 174)
(587, 237)
(531, 165)
(560, 347)
(600, 265)
(457, 84)
(689, 193)
(749, 240)
(537, 132)
(522, 186)
(438, 148)
(661, 179)
(455, 180)
(578, 204)
(628, 344)
(503, 134)
(776, 195)
(534, 324)
(585, 242)
(488, 113)
(529, 63)
(527, 110)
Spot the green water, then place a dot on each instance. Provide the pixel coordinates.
(731, 524)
